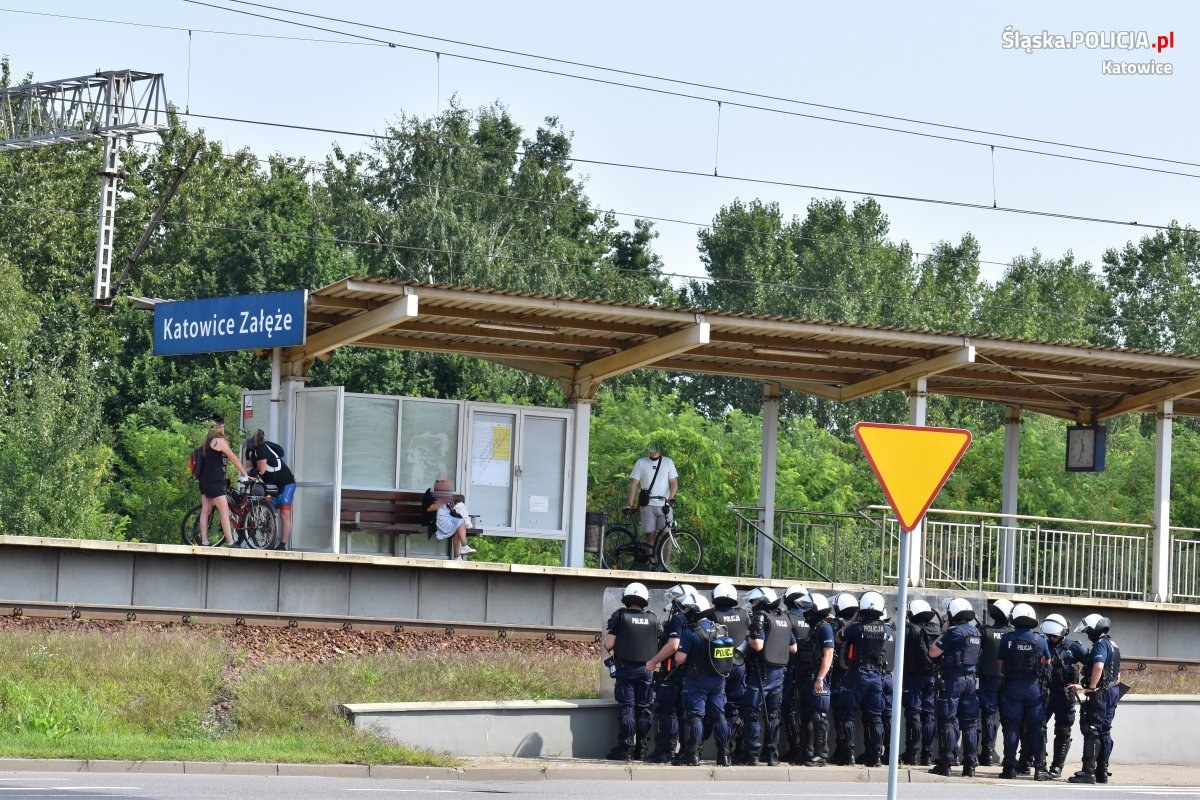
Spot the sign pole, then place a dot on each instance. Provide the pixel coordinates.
(901, 623)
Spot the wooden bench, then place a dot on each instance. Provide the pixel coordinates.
(397, 517)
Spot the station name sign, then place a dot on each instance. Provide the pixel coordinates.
(246, 322)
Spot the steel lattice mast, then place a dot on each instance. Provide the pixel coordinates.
(107, 106)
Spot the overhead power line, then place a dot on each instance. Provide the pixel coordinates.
(694, 84)
(732, 178)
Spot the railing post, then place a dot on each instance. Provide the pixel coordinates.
(982, 534)
(837, 540)
(1092, 565)
(1037, 557)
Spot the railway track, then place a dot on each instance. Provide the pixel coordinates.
(189, 616)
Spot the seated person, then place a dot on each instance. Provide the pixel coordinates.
(449, 526)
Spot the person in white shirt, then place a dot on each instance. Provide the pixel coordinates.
(655, 480)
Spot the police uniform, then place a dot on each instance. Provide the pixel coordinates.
(814, 704)
(669, 683)
(635, 631)
(839, 705)
(990, 679)
(1096, 716)
(1024, 657)
(799, 745)
(865, 641)
(958, 703)
(709, 650)
(1061, 701)
(920, 693)
(764, 683)
(737, 621)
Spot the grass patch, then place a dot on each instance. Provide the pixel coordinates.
(153, 693)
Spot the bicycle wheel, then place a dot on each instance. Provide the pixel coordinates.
(679, 551)
(189, 530)
(620, 549)
(259, 530)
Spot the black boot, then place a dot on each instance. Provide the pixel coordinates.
(1088, 773)
(723, 757)
(1101, 772)
(820, 741)
(791, 729)
(620, 753)
(1062, 743)
(941, 768)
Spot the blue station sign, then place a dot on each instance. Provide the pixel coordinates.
(246, 322)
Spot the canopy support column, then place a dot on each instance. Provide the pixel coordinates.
(1160, 574)
(766, 490)
(1008, 498)
(581, 433)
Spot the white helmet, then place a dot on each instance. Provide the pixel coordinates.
(871, 605)
(1023, 616)
(1055, 625)
(793, 593)
(960, 610)
(724, 595)
(1001, 611)
(635, 592)
(1093, 625)
(845, 604)
(703, 604)
(676, 593)
(919, 611)
(814, 603)
(765, 595)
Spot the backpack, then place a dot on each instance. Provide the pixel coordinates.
(430, 517)
(196, 462)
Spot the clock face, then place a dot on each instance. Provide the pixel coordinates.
(1081, 448)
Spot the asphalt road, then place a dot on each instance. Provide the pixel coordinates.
(147, 786)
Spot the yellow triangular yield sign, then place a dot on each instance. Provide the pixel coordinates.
(911, 463)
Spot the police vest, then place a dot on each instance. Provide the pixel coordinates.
(916, 647)
(776, 648)
(989, 658)
(636, 636)
(736, 621)
(1112, 667)
(1021, 660)
(839, 648)
(889, 649)
(719, 647)
(867, 650)
(966, 658)
(1061, 675)
(800, 630)
(810, 651)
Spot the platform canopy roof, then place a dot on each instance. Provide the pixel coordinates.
(580, 342)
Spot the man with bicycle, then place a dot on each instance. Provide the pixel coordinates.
(653, 484)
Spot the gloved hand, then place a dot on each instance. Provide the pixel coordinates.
(756, 625)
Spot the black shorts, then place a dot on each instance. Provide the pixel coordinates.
(212, 491)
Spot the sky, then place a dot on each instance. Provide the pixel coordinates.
(941, 62)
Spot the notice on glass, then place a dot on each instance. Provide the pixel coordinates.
(539, 504)
(491, 453)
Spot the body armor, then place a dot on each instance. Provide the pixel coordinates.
(636, 636)
(736, 621)
(989, 657)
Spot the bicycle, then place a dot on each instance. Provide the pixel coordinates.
(674, 550)
(251, 515)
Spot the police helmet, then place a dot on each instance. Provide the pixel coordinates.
(960, 610)
(919, 611)
(1093, 625)
(764, 595)
(724, 595)
(636, 593)
(1055, 625)
(845, 605)
(1023, 616)
(1001, 611)
(793, 593)
(689, 604)
(675, 593)
(871, 605)
(703, 605)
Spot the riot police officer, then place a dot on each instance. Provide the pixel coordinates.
(920, 681)
(958, 647)
(771, 643)
(1024, 660)
(705, 657)
(631, 636)
(791, 697)
(845, 606)
(813, 665)
(1100, 680)
(1065, 657)
(990, 678)
(865, 638)
(736, 620)
(668, 682)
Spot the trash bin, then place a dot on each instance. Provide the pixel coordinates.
(593, 529)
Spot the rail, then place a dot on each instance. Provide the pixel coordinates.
(962, 550)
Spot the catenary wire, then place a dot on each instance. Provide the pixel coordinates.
(698, 85)
(552, 262)
(700, 98)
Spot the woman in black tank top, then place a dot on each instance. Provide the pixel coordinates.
(217, 455)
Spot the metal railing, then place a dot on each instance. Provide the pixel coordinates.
(963, 549)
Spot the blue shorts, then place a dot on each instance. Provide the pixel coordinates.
(284, 498)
